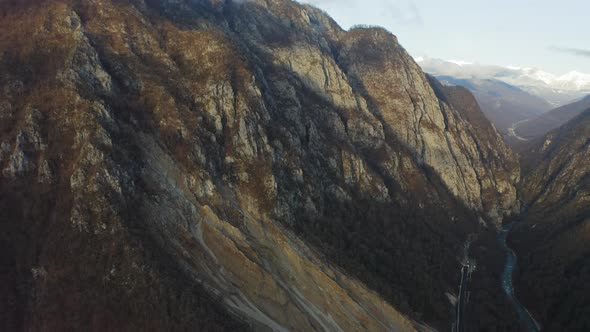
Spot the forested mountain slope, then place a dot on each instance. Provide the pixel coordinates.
(552, 240)
(172, 164)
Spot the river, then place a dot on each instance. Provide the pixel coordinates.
(525, 318)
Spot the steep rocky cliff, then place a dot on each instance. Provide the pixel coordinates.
(552, 240)
(172, 164)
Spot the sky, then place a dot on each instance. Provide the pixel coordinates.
(546, 34)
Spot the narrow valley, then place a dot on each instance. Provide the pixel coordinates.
(257, 165)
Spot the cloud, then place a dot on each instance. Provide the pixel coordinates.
(405, 13)
(573, 51)
(381, 12)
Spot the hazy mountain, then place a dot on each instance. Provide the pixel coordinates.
(558, 90)
(237, 165)
(541, 125)
(553, 237)
(503, 104)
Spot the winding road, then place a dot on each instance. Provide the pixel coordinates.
(526, 319)
(512, 130)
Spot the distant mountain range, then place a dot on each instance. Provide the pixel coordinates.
(503, 104)
(548, 121)
(558, 90)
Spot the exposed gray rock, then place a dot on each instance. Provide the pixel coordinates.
(44, 173)
(18, 164)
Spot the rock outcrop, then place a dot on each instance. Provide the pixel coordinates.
(231, 164)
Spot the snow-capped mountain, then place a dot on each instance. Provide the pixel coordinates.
(573, 80)
(556, 89)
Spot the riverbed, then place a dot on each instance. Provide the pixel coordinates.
(524, 317)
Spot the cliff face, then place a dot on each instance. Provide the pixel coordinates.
(553, 238)
(189, 156)
(434, 130)
(495, 164)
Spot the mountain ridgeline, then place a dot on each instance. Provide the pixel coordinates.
(235, 165)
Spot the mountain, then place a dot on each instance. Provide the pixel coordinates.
(236, 165)
(558, 90)
(503, 104)
(552, 238)
(541, 125)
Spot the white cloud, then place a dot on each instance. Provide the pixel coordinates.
(460, 62)
(558, 89)
(372, 12)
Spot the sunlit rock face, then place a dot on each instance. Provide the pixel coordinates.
(231, 165)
